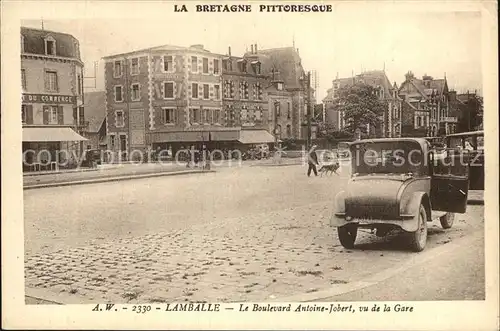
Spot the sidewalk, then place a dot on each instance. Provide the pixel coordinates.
(118, 172)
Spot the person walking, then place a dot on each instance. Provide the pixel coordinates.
(312, 161)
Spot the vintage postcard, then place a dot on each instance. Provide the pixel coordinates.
(244, 165)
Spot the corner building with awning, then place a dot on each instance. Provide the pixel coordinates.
(52, 111)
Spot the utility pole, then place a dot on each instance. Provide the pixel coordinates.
(309, 112)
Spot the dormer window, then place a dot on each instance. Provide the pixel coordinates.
(50, 46)
(279, 86)
(242, 65)
(256, 67)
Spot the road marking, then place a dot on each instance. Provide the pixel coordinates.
(417, 259)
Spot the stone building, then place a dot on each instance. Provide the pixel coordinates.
(166, 97)
(390, 120)
(288, 86)
(52, 98)
(245, 97)
(428, 101)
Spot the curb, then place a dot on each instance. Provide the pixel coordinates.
(115, 179)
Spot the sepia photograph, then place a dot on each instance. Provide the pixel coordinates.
(312, 160)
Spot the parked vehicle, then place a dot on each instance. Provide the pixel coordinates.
(397, 184)
(473, 144)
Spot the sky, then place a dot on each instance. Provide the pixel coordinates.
(355, 37)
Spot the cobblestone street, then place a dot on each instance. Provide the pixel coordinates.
(213, 237)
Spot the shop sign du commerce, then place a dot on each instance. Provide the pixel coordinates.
(49, 98)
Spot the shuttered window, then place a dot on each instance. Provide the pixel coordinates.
(136, 92)
(168, 63)
(205, 65)
(168, 115)
(51, 81)
(194, 90)
(206, 91)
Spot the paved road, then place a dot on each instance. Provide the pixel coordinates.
(241, 234)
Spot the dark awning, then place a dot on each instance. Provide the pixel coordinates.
(50, 134)
(194, 136)
(255, 137)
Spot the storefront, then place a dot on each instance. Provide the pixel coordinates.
(50, 148)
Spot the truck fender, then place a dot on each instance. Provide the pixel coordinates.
(412, 207)
(338, 215)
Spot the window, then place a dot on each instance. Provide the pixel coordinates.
(419, 121)
(258, 114)
(120, 120)
(81, 114)
(228, 89)
(194, 64)
(24, 113)
(134, 66)
(243, 90)
(168, 90)
(205, 65)
(289, 130)
(22, 44)
(118, 94)
(23, 78)
(217, 92)
(277, 108)
(280, 86)
(136, 92)
(256, 67)
(79, 84)
(117, 69)
(206, 91)
(112, 141)
(258, 91)
(194, 88)
(168, 63)
(216, 116)
(243, 66)
(244, 114)
(194, 116)
(168, 115)
(216, 66)
(51, 81)
(53, 115)
(207, 116)
(289, 111)
(50, 46)
(123, 142)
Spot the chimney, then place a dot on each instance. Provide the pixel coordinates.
(251, 48)
(255, 48)
(229, 50)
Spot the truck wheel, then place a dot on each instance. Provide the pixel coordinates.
(419, 237)
(447, 220)
(347, 235)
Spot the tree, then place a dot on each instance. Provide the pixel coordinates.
(361, 107)
(471, 116)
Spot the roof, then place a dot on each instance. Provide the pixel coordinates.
(95, 109)
(374, 78)
(166, 47)
(286, 61)
(34, 42)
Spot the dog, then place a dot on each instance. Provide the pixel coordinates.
(329, 168)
